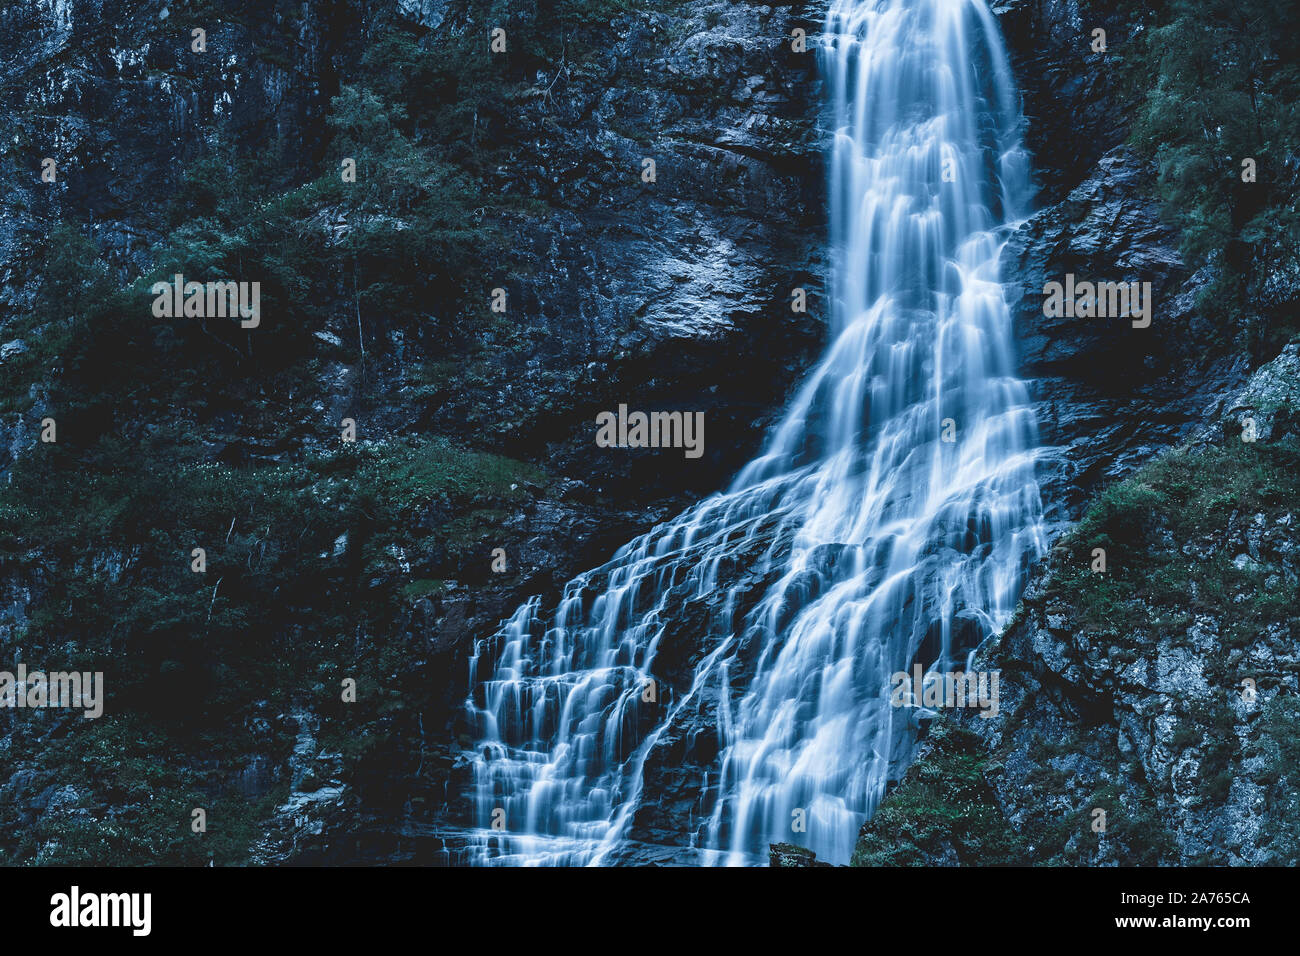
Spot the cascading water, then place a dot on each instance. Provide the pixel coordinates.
(890, 518)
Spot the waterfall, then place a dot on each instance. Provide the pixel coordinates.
(889, 520)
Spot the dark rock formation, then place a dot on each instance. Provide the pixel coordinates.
(1072, 98)
(1108, 395)
(674, 294)
(789, 855)
(115, 94)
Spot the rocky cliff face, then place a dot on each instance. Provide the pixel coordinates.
(666, 294)
(675, 293)
(117, 96)
(619, 289)
(1074, 102)
(671, 292)
(1108, 395)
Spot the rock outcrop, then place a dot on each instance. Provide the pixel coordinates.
(1147, 711)
(1109, 394)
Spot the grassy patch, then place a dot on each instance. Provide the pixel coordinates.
(943, 806)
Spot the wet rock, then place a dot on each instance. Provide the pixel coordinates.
(1108, 395)
(1072, 98)
(787, 855)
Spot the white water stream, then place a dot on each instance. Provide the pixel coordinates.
(890, 518)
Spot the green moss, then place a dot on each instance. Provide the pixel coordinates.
(132, 797)
(1135, 830)
(1279, 745)
(277, 617)
(1188, 497)
(943, 806)
(423, 588)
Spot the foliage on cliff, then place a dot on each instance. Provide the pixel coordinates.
(194, 433)
(1218, 84)
(943, 811)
